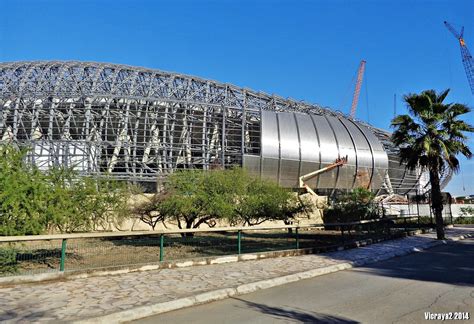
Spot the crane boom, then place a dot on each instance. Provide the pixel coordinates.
(454, 31)
(355, 98)
(339, 162)
(465, 54)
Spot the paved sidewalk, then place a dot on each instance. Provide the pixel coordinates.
(128, 296)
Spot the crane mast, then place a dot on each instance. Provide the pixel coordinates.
(465, 54)
(355, 98)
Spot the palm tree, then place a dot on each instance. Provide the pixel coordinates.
(431, 137)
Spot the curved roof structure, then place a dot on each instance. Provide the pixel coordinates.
(141, 124)
(90, 79)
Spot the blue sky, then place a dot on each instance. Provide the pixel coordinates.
(307, 50)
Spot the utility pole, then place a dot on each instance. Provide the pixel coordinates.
(394, 105)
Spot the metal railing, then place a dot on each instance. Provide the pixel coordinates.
(21, 255)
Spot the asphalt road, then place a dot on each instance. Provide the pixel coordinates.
(399, 290)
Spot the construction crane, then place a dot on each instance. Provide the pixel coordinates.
(465, 54)
(302, 180)
(355, 98)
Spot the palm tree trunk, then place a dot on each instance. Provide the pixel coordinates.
(437, 203)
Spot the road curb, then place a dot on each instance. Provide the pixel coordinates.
(219, 294)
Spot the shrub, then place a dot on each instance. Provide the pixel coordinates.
(83, 203)
(467, 211)
(195, 197)
(8, 262)
(257, 201)
(32, 202)
(463, 220)
(22, 194)
(354, 206)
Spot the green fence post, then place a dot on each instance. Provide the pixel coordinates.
(162, 252)
(63, 254)
(297, 239)
(239, 241)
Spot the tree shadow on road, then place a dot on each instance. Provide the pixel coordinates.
(452, 263)
(295, 315)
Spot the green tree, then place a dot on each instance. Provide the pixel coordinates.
(257, 201)
(148, 210)
(78, 203)
(353, 206)
(21, 186)
(432, 137)
(32, 201)
(193, 198)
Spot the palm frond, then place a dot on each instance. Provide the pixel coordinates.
(442, 95)
(432, 135)
(417, 104)
(458, 109)
(430, 94)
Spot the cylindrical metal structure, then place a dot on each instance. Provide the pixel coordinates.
(139, 125)
(294, 144)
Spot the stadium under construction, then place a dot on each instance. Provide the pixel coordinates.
(140, 125)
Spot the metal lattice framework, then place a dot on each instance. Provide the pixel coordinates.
(134, 123)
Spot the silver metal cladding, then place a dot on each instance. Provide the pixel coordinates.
(309, 147)
(320, 141)
(328, 148)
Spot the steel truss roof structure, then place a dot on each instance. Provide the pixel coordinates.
(140, 125)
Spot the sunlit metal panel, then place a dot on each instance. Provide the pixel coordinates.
(380, 158)
(329, 151)
(289, 150)
(270, 146)
(309, 147)
(270, 135)
(347, 173)
(364, 156)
